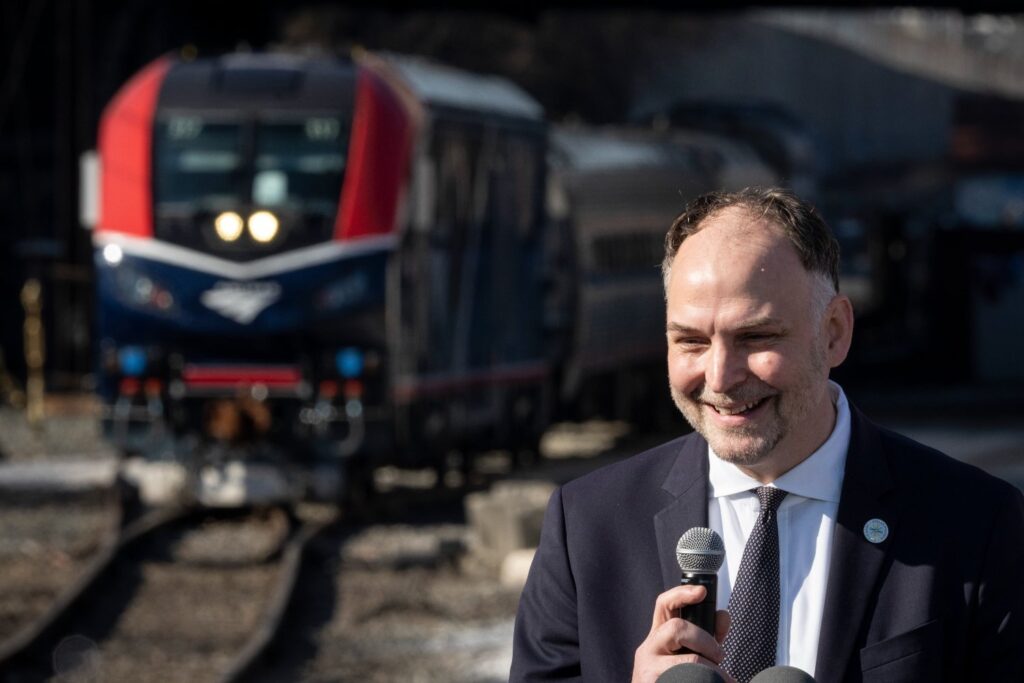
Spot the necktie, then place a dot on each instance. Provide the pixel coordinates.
(754, 602)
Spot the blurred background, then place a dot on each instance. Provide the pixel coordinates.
(494, 330)
(903, 125)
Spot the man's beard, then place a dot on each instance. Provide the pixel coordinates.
(748, 446)
(739, 445)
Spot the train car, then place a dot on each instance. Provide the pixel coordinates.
(613, 193)
(308, 266)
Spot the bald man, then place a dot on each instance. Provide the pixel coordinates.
(895, 562)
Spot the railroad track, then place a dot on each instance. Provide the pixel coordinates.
(180, 594)
(46, 540)
(177, 594)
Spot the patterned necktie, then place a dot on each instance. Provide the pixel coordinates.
(754, 602)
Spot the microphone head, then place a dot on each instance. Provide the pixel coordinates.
(782, 674)
(700, 550)
(690, 673)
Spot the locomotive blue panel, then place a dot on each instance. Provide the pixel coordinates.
(143, 300)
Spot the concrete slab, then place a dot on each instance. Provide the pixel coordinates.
(516, 567)
(64, 474)
(508, 517)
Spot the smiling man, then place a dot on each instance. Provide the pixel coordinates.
(851, 552)
(752, 333)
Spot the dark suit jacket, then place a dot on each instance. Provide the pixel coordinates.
(941, 599)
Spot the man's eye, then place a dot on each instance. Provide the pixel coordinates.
(689, 342)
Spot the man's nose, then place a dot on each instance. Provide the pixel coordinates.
(726, 367)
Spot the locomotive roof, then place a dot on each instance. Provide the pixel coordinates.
(441, 85)
(283, 81)
(289, 81)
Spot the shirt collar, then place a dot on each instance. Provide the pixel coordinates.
(819, 476)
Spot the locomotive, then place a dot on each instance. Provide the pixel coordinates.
(309, 266)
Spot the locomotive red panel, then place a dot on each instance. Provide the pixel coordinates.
(382, 137)
(126, 148)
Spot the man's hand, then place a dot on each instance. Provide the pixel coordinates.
(669, 634)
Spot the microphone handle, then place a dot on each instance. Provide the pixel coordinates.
(701, 614)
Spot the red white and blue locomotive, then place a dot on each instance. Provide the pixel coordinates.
(310, 266)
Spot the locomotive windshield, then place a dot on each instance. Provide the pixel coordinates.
(198, 160)
(292, 165)
(266, 163)
(299, 161)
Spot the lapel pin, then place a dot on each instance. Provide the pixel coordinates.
(876, 530)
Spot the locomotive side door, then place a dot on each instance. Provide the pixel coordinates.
(463, 305)
(472, 288)
(499, 318)
(437, 261)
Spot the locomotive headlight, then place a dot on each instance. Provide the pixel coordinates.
(113, 254)
(263, 226)
(229, 226)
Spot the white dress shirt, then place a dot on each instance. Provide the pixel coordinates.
(806, 521)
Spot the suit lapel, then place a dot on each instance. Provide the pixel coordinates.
(856, 562)
(687, 481)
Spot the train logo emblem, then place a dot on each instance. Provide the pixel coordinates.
(241, 301)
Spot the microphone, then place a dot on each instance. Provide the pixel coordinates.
(690, 673)
(700, 552)
(783, 674)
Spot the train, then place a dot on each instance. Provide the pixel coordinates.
(310, 266)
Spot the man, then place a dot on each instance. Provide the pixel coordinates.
(885, 560)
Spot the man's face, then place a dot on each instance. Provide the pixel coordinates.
(748, 356)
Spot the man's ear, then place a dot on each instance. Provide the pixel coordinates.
(838, 324)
